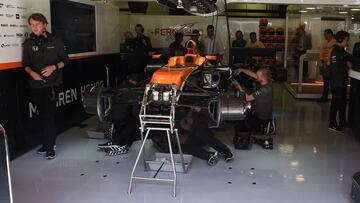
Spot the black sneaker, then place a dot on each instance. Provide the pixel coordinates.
(106, 145)
(42, 150)
(117, 150)
(227, 155)
(268, 143)
(213, 159)
(50, 154)
(336, 128)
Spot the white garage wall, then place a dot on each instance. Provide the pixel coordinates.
(107, 26)
(107, 29)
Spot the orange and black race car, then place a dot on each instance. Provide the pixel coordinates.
(185, 81)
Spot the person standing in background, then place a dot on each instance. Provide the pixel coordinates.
(127, 55)
(176, 47)
(142, 46)
(239, 40)
(212, 44)
(325, 60)
(199, 45)
(254, 42)
(356, 49)
(44, 57)
(340, 62)
(128, 42)
(303, 44)
(241, 43)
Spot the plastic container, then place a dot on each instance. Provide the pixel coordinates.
(157, 160)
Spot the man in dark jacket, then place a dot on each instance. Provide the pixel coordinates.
(142, 46)
(176, 47)
(241, 43)
(197, 135)
(340, 62)
(43, 59)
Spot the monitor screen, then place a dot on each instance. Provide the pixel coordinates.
(75, 24)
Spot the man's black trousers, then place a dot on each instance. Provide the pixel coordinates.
(45, 100)
(338, 106)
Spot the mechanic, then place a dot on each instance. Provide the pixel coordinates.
(195, 135)
(261, 117)
(340, 62)
(142, 46)
(176, 47)
(44, 57)
(199, 45)
(241, 43)
(125, 120)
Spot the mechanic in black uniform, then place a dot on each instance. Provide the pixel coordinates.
(261, 117)
(142, 46)
(195, 135)
(240, 43)
(199, 45)
(44, 57)
(124, 117)
(340, 62)
(356, 53)
(176, 46)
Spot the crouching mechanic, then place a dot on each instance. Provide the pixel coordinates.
(195, 135)
(124, 118)
(260, 119)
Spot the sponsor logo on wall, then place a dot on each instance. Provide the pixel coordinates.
(13, 26)
(169, 33)
(4, 45)
(10, 6)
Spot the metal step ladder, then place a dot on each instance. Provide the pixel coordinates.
(151, 122)
(5, 183)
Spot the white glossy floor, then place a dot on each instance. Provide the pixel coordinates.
(308, 164)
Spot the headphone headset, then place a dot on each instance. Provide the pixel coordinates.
(39, 40)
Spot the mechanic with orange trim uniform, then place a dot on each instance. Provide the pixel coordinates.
(44, 57)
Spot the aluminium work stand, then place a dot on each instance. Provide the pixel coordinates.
(6, 159)
(150, 122)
